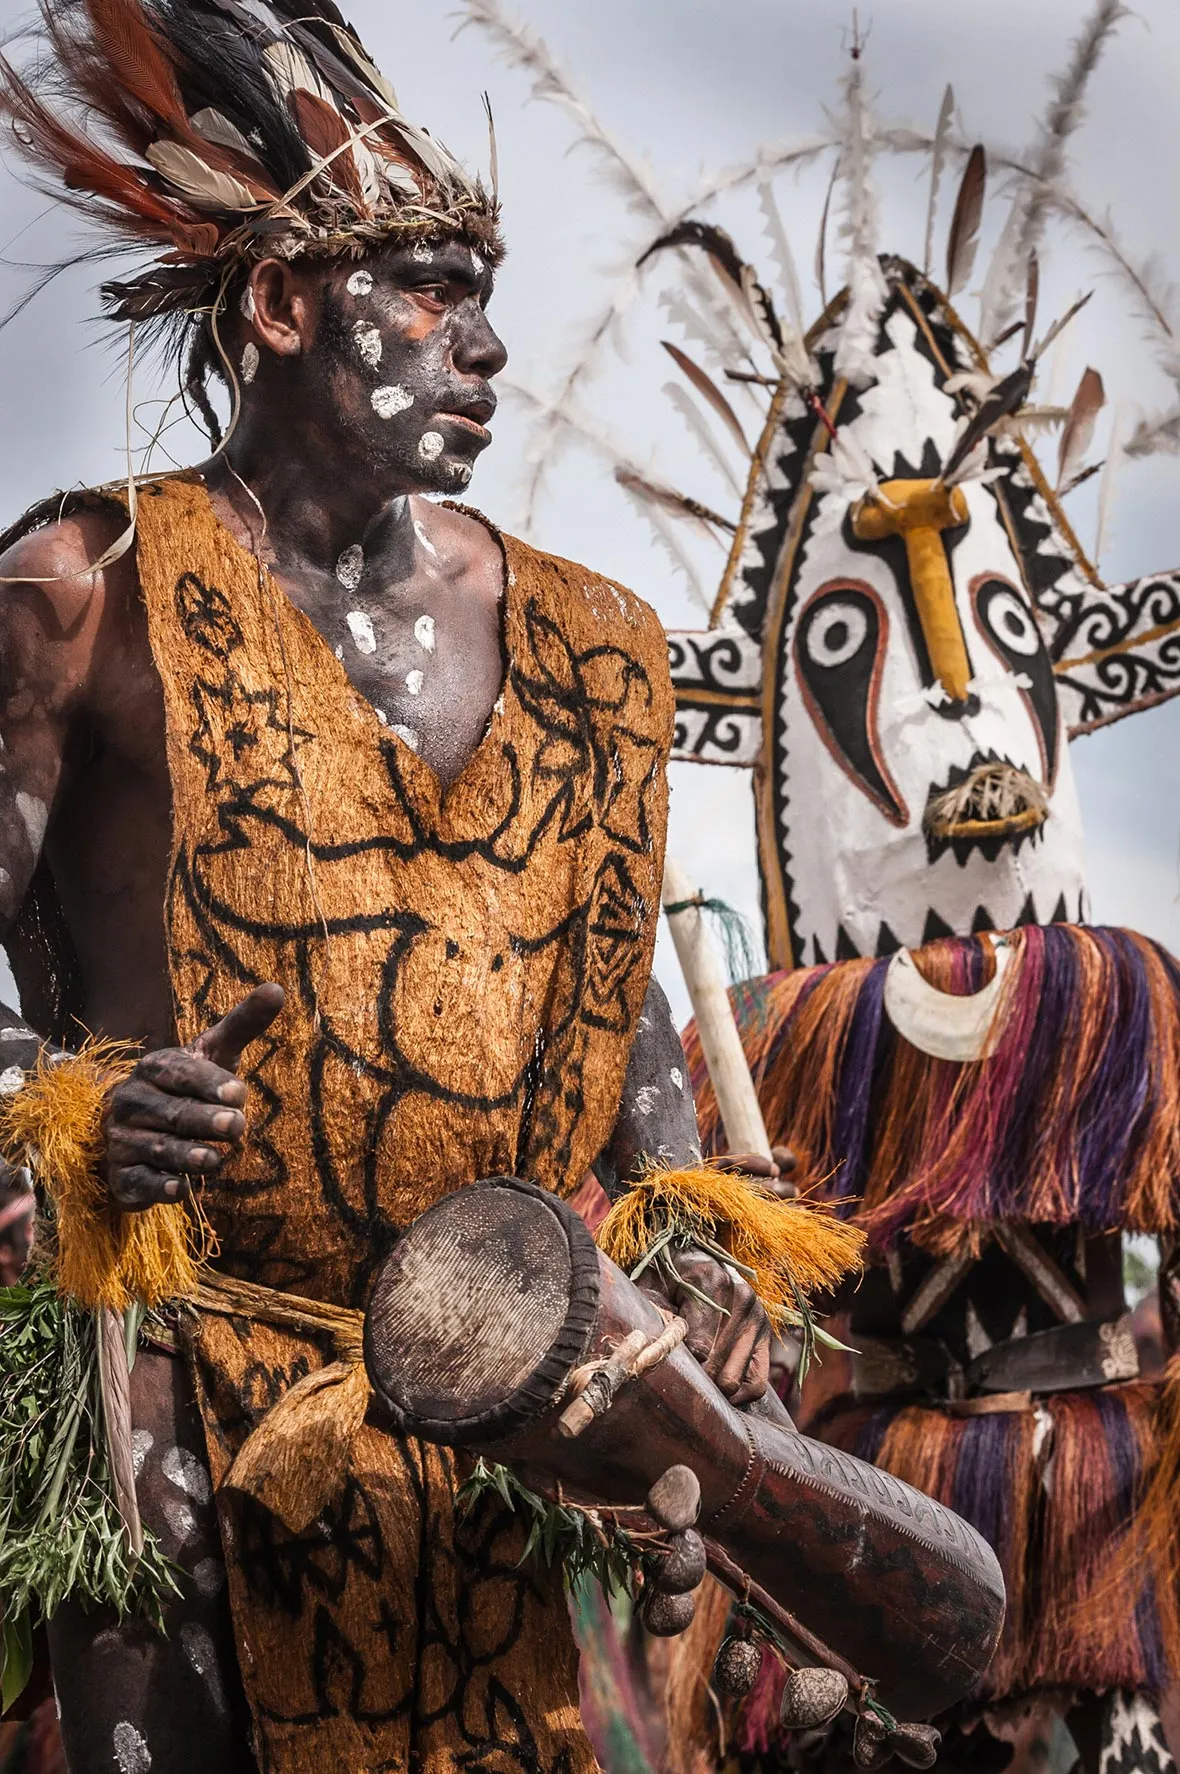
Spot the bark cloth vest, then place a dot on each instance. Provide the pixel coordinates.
(464, 969)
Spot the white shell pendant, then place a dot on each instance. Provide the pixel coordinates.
(940, 1023)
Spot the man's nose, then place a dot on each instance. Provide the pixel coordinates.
(479, 350)
(919, 511)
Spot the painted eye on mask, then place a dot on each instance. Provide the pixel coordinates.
(1010, 630)
(840, 646)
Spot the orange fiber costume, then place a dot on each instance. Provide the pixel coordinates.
(465, 969)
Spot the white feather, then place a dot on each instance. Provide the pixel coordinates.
(856, 349)
(702, 431)
(1110, 468)
(670, 542)
(937, 165)
(205, 187)
(784, 258)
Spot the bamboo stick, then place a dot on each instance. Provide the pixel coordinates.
(737, 1100)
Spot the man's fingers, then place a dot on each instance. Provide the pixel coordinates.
(745, 1370)
(185, 1074)
(140, 1104)
(138, 1186)
(131, 1146)
(227, 1040)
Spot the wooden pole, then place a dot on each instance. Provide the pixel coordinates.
(737, 1100)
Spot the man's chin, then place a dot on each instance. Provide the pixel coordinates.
(448, 473)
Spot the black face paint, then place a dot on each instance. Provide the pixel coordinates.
(404, 356)
(1010, 630)
(840, 647)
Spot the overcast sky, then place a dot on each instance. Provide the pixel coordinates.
(690, 87)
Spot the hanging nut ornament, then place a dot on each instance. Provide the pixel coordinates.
(736, 1668)
(666, 1615)
(675, 1499)
(915, 1744)
(812, 1697)
(868, 1741)
(682, 1566)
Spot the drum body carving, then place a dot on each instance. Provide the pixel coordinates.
(495, 1295)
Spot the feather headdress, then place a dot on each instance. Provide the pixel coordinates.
(218, 132)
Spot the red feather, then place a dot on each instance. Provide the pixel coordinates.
(137, 62)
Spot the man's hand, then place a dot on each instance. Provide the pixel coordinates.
(166, 1123)
(733, 1345)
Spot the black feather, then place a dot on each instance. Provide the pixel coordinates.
(1005, 398)
(711, 239)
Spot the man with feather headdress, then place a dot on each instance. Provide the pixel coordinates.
(397, 783)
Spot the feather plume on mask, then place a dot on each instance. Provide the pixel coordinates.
(856, 351)
(938, 153)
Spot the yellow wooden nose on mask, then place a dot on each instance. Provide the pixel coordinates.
(919, 511)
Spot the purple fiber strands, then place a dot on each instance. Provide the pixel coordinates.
(1118, 1089)
(1126, 1465)
(1014, 1162)
(855, 1102)
(982, 1476)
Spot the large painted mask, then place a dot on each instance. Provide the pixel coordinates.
(890, 658)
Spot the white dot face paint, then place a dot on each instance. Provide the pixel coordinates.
(131, 1752)
(340, 652)
(424, 539)
(209, 1576)
(677, 1077)
(647, 1098)
(249, 363)
(389, 402)
(424, 633)
(247, 304)
(414, 682)
(360, 626)
(360, 284)
(477, 264)
(368, 343)
(421, 253)
(185, 1471)
(408, 735)
(350, 568)
(430, 446)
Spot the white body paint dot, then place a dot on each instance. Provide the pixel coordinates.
(350, 567)
(414, 682)
(424, 539)
(185, 1471)
(368, 343)
(409, 735)
(677, 1077)
(180, 1519)
(12, 1079)
(131, 1752)
(424, 633)
(35, 816)
(647, 1098)
(197, 1645)
(209, 1576)
(360, 283)
(389, 402)
(249, 363)
(430, 446)
(477, 264)
(247, 303)
(360, 626)
(421, 253)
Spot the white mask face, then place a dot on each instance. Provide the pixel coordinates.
(910, 666)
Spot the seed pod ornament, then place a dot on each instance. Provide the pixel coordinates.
(736, 1668)
(665, 1615)
(915, 1744)
(811, 1698)
(675, 1499)
(682, 1566)
(868, 1741)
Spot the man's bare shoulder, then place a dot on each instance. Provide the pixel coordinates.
(56, 566)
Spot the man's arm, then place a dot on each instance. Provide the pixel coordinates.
(174, 1117)
(657, 1123)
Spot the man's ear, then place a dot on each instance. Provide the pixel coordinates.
(276, 304)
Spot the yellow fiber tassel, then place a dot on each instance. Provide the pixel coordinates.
(296, 1459)
(104, 1258)
(787, 1244)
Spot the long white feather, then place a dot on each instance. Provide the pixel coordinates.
(670, 542)
(703, 432)
(784, 258)
(1045, 166)
(1110, 468)
(938, 154)
(856, 350)
(1157, 435)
